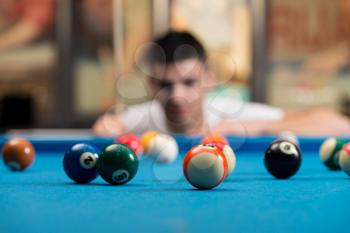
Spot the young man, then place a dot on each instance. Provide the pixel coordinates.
(180, 79)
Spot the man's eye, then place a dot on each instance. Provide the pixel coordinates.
(189, 83)
(165, 84)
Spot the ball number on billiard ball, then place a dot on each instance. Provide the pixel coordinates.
(205, 166)
(88, 160)
(117, 164)
(79, 163)
(282, 159)
(18, 154)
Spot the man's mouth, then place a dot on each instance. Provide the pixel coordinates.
(177, 111)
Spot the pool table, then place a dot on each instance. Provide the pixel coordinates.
(159, 199)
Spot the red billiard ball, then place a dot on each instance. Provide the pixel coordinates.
(132, 141)
(18, 154)
(205, 166)
(344, 158)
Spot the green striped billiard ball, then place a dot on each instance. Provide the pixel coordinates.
(117, 164)
(329, 152)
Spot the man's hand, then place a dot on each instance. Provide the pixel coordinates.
(243, 128)
(108, 125)
(314, 122)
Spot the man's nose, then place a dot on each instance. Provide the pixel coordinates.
(177, 92)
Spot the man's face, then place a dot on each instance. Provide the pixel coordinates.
(180, 88)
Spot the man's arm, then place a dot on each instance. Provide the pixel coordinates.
(108, 125)
(314, 122)
(20, 34)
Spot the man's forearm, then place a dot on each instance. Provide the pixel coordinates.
(20, 34)
(108, 125)
(315, 122)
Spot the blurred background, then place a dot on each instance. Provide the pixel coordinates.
(65, 62)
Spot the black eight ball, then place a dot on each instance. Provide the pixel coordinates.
(282, 159)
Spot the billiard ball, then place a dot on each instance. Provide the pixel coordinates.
(205, 166)
(162, 148)
(282, 159)
(329, 152)
(222, 143)
(147, 139)
(214, 138)
(229, 155)
(344, 158)
(79, 163)
(132, 141)
(117, 164)
(18, 154)
(289, 136)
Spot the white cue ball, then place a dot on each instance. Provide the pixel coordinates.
(163, 149)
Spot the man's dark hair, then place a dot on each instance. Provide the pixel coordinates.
(176, 46)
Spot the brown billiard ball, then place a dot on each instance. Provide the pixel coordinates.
(18, 154)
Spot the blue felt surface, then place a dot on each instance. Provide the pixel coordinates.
(42, 199)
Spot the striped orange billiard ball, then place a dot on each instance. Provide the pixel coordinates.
(217, 138)
(221, 142)
(18, 154)
(205, 166)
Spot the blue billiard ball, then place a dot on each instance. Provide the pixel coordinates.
(79, 163)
